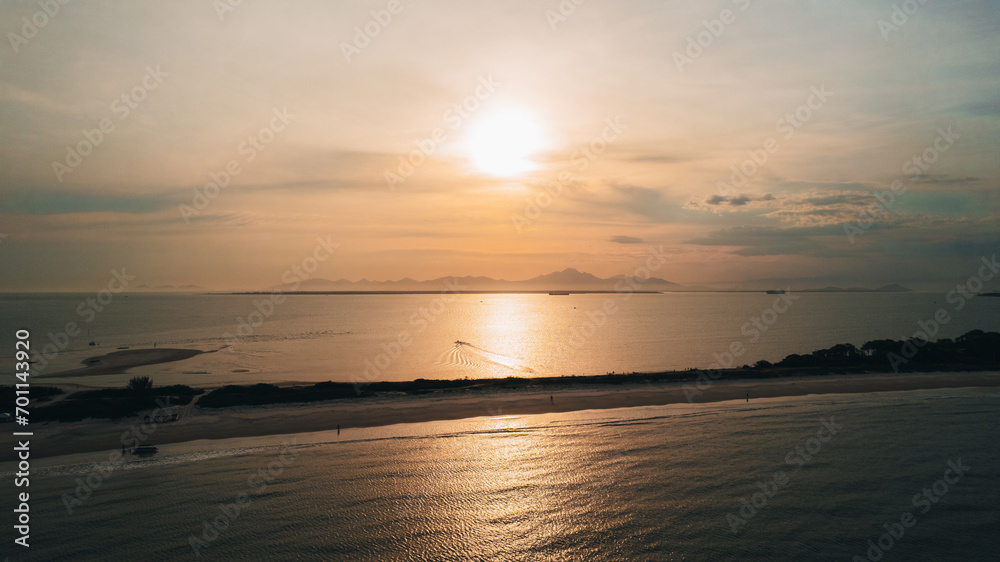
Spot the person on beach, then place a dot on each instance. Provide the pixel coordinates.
(338, 429)
(551, 400)
(748, 397)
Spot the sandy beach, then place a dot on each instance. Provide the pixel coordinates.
(247, 421)
(121, 361)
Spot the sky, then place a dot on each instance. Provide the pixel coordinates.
(214, 143)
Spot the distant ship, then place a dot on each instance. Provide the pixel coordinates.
(775, 291)
(558, 292)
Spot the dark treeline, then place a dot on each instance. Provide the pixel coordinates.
(138, 395)
(975, 350)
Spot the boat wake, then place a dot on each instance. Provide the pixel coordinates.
(465, 354)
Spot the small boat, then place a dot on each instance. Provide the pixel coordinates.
(460, 342)
(143, 450)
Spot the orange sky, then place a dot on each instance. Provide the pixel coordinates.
(542, 141)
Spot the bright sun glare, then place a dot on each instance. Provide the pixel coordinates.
(503, 143)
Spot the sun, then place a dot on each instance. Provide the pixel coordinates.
(503, 143)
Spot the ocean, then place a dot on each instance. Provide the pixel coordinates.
(891, 476)
(404, 337)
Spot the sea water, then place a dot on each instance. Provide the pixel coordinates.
(403, 337)
(677, 482)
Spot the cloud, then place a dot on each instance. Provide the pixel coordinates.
(59, 202)
(925, 236)
(808, 208)
(13, 95)
(626, 240)
(943, 179)
(771, 241)
(838, 199)
(657, 158)
(738, 200)
(987, 108)
(643, 201)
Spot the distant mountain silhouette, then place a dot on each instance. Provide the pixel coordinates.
(569, 279)
(568, 276)
(893, 288)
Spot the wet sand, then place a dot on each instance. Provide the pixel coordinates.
(118, 362)
(386, 409)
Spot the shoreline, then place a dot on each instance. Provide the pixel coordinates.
(196, 423)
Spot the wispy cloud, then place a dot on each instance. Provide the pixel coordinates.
(61, 202)
(626, 240)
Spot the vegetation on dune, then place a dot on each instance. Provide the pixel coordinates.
(137, 396)
(975, 350)
(38, 394)
(139, 385)
(262, 393)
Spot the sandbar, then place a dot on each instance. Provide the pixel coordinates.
(118, 362)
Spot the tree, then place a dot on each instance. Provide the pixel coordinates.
(139, 385)
(880, 348)
(841, 352)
